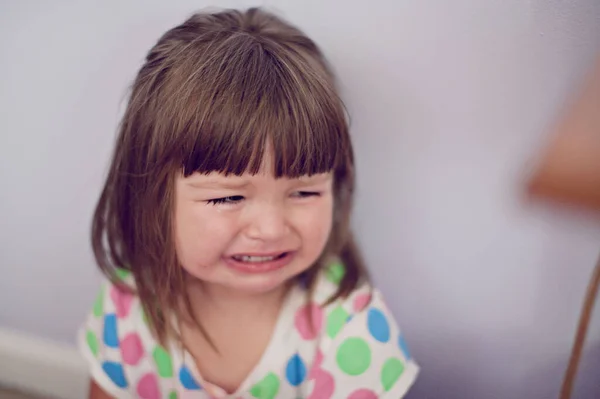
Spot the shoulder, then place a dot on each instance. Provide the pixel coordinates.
(115, 338)
(362, 350)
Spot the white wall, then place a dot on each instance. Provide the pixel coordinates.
(449, 100)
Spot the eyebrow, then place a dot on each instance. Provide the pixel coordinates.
(212, 184)
(233, 185)
(315, 179)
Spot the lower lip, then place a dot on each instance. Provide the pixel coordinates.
(260, 267)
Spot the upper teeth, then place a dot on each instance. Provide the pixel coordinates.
(245, 258)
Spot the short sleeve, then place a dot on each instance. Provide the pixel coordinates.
(367, 356)
(99, 340)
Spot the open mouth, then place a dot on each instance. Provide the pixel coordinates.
(258, 259)
(254, 263)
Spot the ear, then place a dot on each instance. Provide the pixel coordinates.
(569, 170)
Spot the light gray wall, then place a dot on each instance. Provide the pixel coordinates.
(449, 102)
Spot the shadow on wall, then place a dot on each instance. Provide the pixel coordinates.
(542, 383)
(451, 368)
(587, 385)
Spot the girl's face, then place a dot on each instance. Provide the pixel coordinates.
(251, 233)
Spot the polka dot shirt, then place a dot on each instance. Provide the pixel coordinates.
(354, 349)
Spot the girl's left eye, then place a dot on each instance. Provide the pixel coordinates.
(306, 194)
(231, 200)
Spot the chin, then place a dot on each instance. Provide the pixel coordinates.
(257, 284)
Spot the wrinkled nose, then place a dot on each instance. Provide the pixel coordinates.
(268, 223)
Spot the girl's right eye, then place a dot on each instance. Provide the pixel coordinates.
(231, 200)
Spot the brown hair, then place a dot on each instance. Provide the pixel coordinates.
(212, 93)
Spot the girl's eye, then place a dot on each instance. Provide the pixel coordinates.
(234, 199)
(306, 194)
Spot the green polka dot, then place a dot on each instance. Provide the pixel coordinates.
(335, 272)
(267, 388)
(391, 371)
(163, 362)
(92, 342)
(336, 320)
(354, 356)
(99, 304)
(173, 395)
(122, 274)
(144, 318)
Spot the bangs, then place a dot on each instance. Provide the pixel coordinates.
(248, 96)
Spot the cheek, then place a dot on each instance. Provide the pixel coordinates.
(317, 224)
(201, 234)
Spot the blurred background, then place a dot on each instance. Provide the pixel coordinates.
(450, 101)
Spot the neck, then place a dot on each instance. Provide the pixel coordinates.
(210, 300)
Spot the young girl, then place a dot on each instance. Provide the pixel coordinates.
(223, 229)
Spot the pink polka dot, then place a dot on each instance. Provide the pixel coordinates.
(324, 385)
(131, 349)
(122, 301)
(363, 394)
(361, 302)
(302, 320)
(314, 370)
(147, 387)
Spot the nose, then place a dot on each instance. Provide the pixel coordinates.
(267, 222)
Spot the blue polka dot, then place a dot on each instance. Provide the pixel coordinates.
(115, 373)
(111, 338)
(378, 325)
(187, 380)
(295, 371)
(403, 346)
